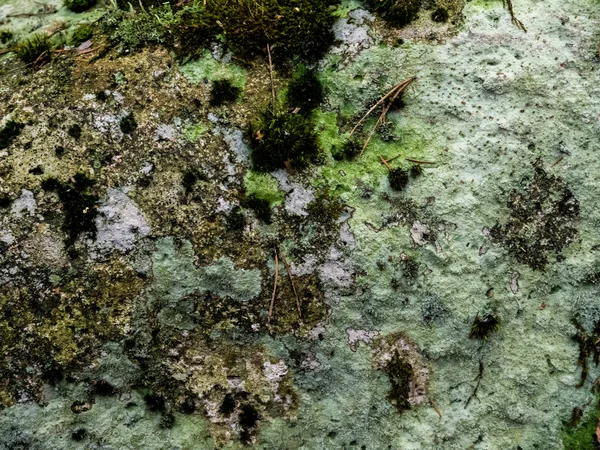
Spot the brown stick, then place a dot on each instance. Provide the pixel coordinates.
(437, 410)
(274, 287)
(287, 267)
(370, 135)
(513, 18)
(271, 73)
(385, 111)
(385, 162)
(400, 86)
(418, 161)
(558, 161)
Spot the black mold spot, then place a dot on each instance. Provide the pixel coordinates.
(128, 124)
(261, 207)
(9, 132)
(5, 201)
(227, 406)
(249, 418)
(440, 15)
(79, 205)
(74, 131)
(223, 91)
(37, 170)
(79, 434)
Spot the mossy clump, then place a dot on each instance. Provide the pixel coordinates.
(542, 220)
(133, 31)
(440, 15)
(6, 36)
(325, 209)
(350, 149)
(79, 203)
(401, 361)
(484, 325)
(34, 50)
(9, 132)
(398, 178)
(79, 5)
(293, 28)
(416, 170)
(81, 34)
(400, 374)
(396, 12)
(279, 139)
(305, 90)
(261, 207)
(128, 124)
(223, 91)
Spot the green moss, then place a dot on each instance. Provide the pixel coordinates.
(295, 28)
(81, 34)
(193, 132)
(397, 12)
(79, 5)
(304, 90)
(263, 186)
(325, 209)
(208, 68)
(79, 203)
(131, 31)
(34, 50)
(582, 435)
(278, 139)
(9, 133)
(348, 150)
(223, 91)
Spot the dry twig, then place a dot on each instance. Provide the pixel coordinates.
(287, 267)
(271, 73)
(274, 287)
(513, 18)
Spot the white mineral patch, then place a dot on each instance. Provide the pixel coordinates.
(24, 204)
(120, 223)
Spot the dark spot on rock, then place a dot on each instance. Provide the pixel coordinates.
(79, 434)
(74, 131)
(542, 220)
(228, 405)
(9, 133)
(36, 171)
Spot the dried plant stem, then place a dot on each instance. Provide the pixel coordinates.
(400, 87)
(271, 73)
(274, 287)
